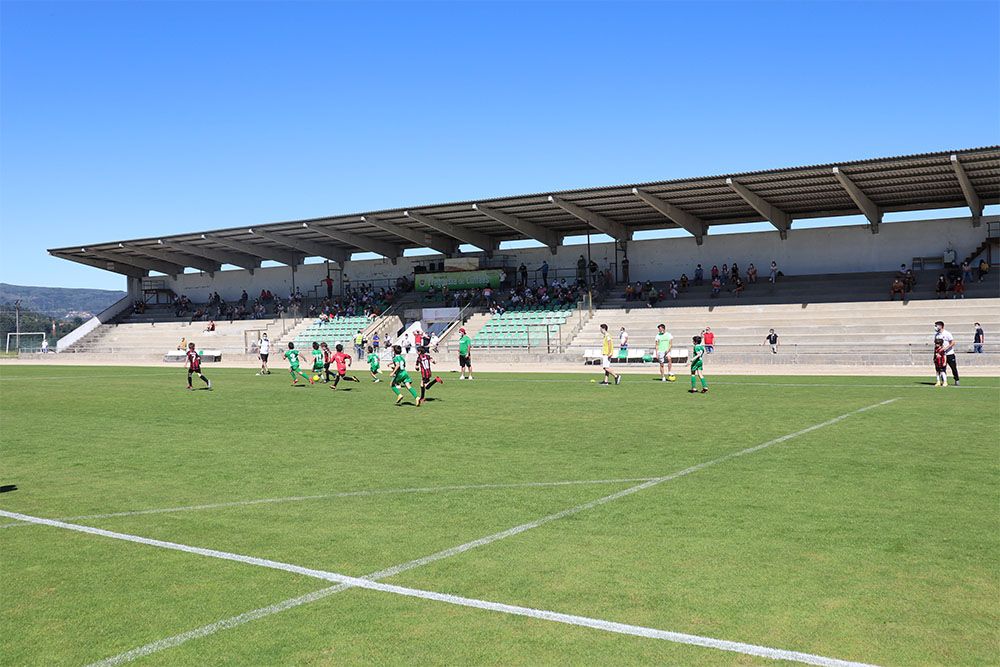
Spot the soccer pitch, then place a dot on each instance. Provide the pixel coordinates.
(515, 519)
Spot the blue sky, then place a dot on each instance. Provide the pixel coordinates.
(123, 120)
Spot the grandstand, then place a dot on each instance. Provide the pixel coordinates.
(831, 291)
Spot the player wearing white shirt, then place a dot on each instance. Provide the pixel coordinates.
(264, 347)
(948, 342)
(623, 343)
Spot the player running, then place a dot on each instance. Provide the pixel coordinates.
(664, 344)
(292, 355)
(400, 377)
(342, 360)
(194, 367)
(318, 360)
(464, 354)
(607, 349)
(424, 361)
(373, 363)
(696, 366)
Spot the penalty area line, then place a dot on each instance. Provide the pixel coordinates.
(369, 582)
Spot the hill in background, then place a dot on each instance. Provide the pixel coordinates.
(60, 301)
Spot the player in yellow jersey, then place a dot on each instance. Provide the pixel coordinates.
(607, 349)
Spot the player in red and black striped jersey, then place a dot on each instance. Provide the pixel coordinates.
(193, 364)
(424, 361)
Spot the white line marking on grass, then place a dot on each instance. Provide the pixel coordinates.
(341, 494)
(603, 625)
(348, 581)
(917, 383)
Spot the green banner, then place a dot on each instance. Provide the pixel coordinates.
(458, 279)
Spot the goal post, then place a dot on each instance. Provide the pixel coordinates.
(26, 341)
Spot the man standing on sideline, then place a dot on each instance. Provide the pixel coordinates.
(359, 344)
(264, 349)
(464, 354)
(607, 349)
(978, 339)
(772, 339)
(623, 344)
(664, 344)
(709, 337)
(948, 342)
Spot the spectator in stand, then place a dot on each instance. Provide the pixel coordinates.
(737, 286)
(734, 272)
(545, 274)
(715, 272)
(978, 339)
(211, 327)
(708, 336)
(684, 282)
(772, 339)
(716, 286)
(773, 272)
(674, 290)
(699, 275)
(897, 288)
(949, 257)
(592, 267)
(724, 274)
(581, 269)
(523, 270)
(909, 280)
(629, 293)
(244, 298)
(966, 272)
(958, 288)
(751, 274)
(625, 278)
(623, 344)
(984, 268)
(942, 287)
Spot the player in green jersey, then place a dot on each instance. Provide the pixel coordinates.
(400, 378)
(292, 355)
(373, 363)
(464, 354)
(319, 360)
(696, 366)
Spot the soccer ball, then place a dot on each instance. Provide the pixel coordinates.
(315, 378)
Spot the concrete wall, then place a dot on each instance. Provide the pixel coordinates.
(808, 251)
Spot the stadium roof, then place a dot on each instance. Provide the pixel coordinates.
(963, 178)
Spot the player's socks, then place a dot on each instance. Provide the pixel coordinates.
(395, 390)
(704, 383)
(413, 392)
(694, 380)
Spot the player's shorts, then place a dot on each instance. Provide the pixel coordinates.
(402, 378)
(663, 357)
(605, 361)
(696, 366)
(341, 373)
(373, 369)
(295, 368)
(464, 360)
(194, 369)
(263, 357)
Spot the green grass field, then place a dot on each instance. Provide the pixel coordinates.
(873, 538)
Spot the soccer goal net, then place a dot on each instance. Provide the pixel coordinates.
(30, 341)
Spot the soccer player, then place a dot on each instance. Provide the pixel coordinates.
(292, 355)
(664, 343)
(373, 363)
(400, 378)
(607, 349)
(343, 360)
(464, 354)
(940, 364)
(319, 359)
(194, 366)
(264, 347)
(696, 366)
(424, 361)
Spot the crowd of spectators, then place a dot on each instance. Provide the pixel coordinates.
(726, 279)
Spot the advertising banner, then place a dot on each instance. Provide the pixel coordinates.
(458, 279)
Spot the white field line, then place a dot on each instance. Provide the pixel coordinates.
(370, 580)
(341, 494)
(347, 581)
